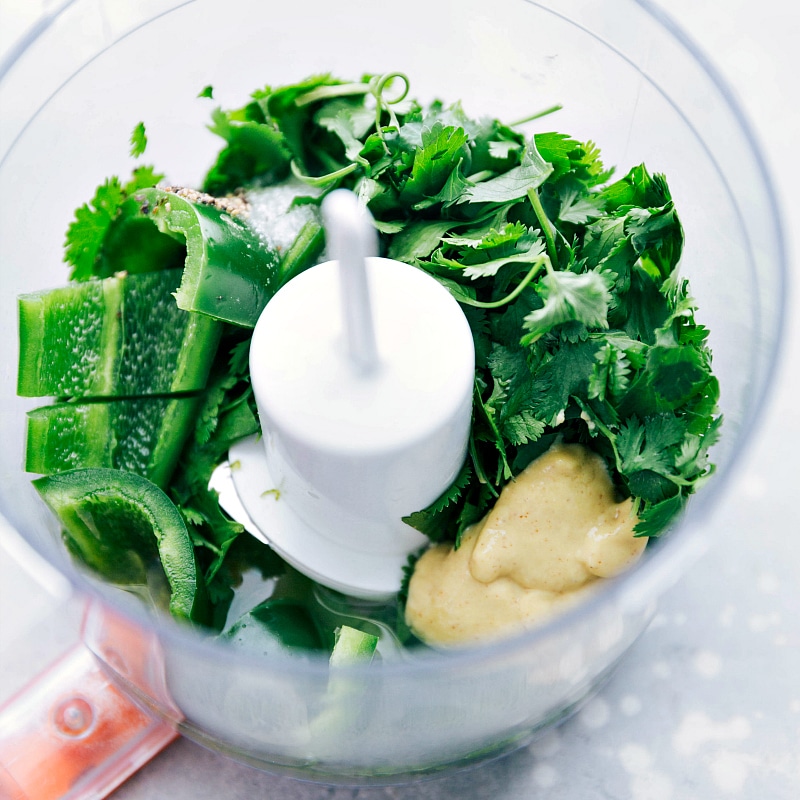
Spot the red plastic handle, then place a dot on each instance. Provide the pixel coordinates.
(71, 734)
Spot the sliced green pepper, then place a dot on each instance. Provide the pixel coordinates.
(352, 647)
(141, 435)
(304, 251)
(120, 336)
(118, 524)
(229, 273)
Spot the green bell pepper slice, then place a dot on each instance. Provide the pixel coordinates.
(229, 273)
(119, 336)
(118, 524)
(142, 435)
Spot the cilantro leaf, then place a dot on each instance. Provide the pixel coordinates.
(523, 427)
(569, 156)
(655, 519)
(532, 254)
(451, 494)
(514, 184)
(673, 377)
(239, 360)
(208, 418)
(451, 193)
(349, 122)
(640, 308)
(560, 375)
(610, 374)
(510, 233)
(143, 177)
(645, 446)
(430, 520)
(418, 240)
(92, 221)
(657, 236)
(502, 150)
(678, 373)
(602, 238)
(568, 297)
(254, 150)
(433, 162)
(138, 140)
(637, 189)
(577, 207)
(87, 233)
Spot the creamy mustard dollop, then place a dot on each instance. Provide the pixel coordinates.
(555, 531)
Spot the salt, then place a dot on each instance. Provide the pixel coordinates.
(273, 218)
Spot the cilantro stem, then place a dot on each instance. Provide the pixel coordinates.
(385, 104)
(322, 180)
(330, 91)
(546, 225)
(384, 81)
(498, 437)
(483, 175)
(224, 407)
(604, 429)
(536, 115)
(479, 473)
(532, 273)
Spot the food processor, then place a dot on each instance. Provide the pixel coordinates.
(626, 80)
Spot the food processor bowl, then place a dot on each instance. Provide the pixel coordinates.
(627, 80)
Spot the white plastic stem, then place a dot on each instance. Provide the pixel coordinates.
(365, 406)
(351, 238)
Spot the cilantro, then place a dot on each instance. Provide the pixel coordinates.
(87, 233)
(514, 184)
(531, 253)
(569, 297)
(138, 140)
(656, 518)
(428, 520)
(206, 91)
(418, 240)
(434, 161)
(610, 374)
(254, 150)
(576, 206)
(523, 427)
(644, 445)
(570, 157)
(92, 221)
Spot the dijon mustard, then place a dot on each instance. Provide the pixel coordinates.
(554, 533)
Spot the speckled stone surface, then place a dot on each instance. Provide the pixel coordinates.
(707, 705)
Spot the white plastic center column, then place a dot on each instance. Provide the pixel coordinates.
(363, 370)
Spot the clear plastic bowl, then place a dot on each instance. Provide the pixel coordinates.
(628, 80)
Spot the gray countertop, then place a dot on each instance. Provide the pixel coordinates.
(707, 704)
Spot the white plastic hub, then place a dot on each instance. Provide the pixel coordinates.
(366, 419)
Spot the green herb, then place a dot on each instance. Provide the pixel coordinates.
(138, 140)
(97, 223)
